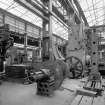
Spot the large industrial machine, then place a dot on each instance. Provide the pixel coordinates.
(48, 74)
(6, 41)
(51, 68)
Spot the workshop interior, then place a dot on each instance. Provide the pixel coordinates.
(52, 52)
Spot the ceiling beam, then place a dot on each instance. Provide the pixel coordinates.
(54, 9)
(55, 12)
(70, 9)
(36, 6)
(30, 9)
(81, 12)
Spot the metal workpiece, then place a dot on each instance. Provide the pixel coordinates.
(50, 76)
(45, 87)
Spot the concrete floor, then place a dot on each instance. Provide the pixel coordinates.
(18, 94)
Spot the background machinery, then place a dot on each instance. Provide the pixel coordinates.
(48, 74)
(51, 68)
(6, 41)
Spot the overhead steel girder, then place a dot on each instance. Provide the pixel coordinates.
(54, 9)
(45, 17)
(81, 12)
(36, 6)
(65, 4)
(58, 15)
(69, 7)
(33, 11)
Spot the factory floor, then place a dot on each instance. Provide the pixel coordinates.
(19, 94)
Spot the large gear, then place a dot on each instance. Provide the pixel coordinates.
(75, 66)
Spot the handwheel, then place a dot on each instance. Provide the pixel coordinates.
(75, 66)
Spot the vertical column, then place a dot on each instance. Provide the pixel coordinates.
(3, 18)
(45, 42)
(50, 29)
(25, 43)
(94, 53)
(44, 28)
(40, 43)
(69, 35)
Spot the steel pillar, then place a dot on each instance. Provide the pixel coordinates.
(50, 30)
(24, 4)
(94, 54)
(25, 43)
(25, 46)
(47, 42)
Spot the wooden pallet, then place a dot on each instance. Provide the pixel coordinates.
(86, 100)
(89, 100)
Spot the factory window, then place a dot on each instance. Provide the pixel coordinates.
(1, 18)
(20, 27)
(11, 22)
(29, 30)
(36, 32)
(32, 32)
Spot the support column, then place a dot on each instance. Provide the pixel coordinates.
(94, 53)
(40, 44)
(3, 18)
(25, 43)
(47, 52)
(45, 43)
(50, 30)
